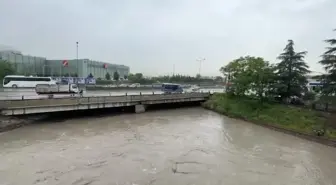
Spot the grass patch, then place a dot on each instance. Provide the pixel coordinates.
(279, 115)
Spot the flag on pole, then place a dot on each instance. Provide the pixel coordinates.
(65, 63)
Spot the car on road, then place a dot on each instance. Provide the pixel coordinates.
(135, 85)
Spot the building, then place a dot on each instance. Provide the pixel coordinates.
(31, 65)
(83, 68)
(24, 64)
(314, 84)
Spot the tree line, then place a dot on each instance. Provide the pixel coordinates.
(139, 78)
(286, 79)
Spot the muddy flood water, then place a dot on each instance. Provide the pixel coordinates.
(187, 146)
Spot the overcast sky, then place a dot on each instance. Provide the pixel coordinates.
(151, 36)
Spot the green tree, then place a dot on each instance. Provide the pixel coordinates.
(130, 77)
(6, 68)
(250, 75)
(138, 75)
(291, 72)
(235, 74)
(136, 78)
(261, 76)
(116, 76)
(177, 78)
(108, 76)
(329, 63)
(219, 79)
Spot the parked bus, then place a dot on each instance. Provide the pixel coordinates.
(15, 81)
(169, 88)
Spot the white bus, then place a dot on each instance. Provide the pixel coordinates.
(15, 81)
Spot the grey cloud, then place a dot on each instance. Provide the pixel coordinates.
(151, 36)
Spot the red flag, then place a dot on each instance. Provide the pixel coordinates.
(65, 63)
(105, 66)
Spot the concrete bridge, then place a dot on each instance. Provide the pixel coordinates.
(33, 106)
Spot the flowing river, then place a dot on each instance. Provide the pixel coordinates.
(187, 146)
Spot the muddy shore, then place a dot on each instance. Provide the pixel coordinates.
(8, 123)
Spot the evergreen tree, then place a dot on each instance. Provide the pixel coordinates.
(116, 76)
(108, 76)
(90, 75)
(329, 63)
(291, 72)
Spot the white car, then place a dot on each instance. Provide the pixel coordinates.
(135, 85)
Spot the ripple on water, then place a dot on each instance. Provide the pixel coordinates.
(184, 146)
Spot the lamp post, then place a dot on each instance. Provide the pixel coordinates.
(173, 69)
(200, 65)
(77, 58)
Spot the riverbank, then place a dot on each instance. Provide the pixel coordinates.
(305, 123)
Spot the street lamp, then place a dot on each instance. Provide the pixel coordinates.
(77, 58)
(200, 64)
(173, 69)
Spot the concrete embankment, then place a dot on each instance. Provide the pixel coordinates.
(9, 122)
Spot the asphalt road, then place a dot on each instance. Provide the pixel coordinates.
(6, 94)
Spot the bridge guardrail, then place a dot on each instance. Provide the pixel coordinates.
(5, 104)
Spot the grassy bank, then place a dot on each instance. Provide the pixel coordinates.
(277, 115)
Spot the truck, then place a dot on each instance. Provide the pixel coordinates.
(52, 89)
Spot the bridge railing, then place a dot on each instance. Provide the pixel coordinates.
(6, 104)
